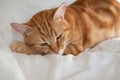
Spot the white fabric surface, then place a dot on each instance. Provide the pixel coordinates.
(99, 63)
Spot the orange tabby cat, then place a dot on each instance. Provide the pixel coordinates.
(69, 29)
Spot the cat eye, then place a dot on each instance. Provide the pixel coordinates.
(59, 36)
(43, 44)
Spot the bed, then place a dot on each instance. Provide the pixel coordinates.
(99, 63)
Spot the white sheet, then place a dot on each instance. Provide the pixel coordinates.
(99, 63)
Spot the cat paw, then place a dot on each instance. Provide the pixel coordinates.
(18, 47)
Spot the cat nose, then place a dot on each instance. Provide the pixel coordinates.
(56, 51)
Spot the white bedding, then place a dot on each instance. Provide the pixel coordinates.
(99, 63)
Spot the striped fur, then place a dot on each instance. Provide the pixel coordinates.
(85, 24)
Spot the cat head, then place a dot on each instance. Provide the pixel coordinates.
(49, 35)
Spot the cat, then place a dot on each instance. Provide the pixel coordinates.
(69, 29)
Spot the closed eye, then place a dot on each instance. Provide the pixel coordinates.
(59, 36)
(43, 44)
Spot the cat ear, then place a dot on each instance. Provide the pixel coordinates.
(21, 28)
(60, 12)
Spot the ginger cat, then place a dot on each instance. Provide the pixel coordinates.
(69, 29)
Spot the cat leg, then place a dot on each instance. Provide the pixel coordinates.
(21, 48)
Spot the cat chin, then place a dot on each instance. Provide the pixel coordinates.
(61, 51)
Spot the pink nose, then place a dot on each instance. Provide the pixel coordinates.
(56, 51)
